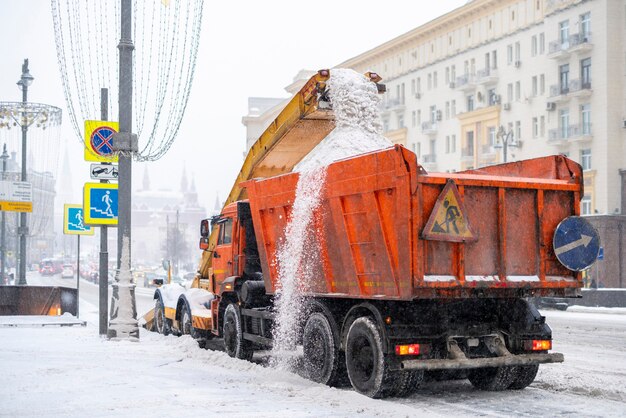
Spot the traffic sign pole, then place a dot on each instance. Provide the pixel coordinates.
(103, 284)
(78, 277)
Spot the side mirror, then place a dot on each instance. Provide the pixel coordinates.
(158, 282)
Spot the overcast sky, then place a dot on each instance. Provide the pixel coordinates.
(247, 48)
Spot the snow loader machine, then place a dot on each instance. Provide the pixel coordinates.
(413, 273)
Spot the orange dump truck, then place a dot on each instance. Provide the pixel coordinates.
(414, 272)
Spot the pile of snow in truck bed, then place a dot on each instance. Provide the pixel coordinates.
(355, 102)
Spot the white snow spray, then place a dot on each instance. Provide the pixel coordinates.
(357, 130)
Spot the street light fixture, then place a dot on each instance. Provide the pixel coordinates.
(505, 140)
(25, 81)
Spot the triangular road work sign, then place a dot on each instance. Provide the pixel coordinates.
(448, 220)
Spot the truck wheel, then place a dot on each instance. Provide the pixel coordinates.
(187, 328)
(323, 361)
(408, 382)
(367, 369)
(524, 376)
(161, 324)
(492, 378)
(234, 343)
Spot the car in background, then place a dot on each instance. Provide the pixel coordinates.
(46, 267)
(68, 271)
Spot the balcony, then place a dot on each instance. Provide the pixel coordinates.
(465, 82)
(488, 151)
(580, 88)
(570, 133)
(558, 93)
(396, 105)
(429, 128)
(467, 154)
(577, 43)
(429, 161)
(487, 76)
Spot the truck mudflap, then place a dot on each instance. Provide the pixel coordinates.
(458, 360)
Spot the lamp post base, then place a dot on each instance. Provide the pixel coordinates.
(123, 324)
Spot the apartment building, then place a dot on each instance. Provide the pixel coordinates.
(512, 79)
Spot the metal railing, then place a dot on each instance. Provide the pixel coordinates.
(467, 152)
(571, 41)
(429, 158)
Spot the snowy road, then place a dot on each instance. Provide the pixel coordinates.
(53, 372)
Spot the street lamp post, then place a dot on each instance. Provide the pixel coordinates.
(25, 81)
(505, 139)
(3, 244)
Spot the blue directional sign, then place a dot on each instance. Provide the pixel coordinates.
(100, 201)
(73, 221)
(576, 243)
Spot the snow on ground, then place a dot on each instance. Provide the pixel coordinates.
(72, 372)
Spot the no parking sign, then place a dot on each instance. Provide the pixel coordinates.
(99, 140)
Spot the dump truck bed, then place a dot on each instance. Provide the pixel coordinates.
(382, 229)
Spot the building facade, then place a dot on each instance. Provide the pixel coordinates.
(543, 76)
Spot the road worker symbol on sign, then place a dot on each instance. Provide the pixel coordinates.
(448, 220)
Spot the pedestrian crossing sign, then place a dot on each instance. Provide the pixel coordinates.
(448, 220)
(74, 221)
(100, 203)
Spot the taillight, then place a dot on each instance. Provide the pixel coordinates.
(538, 345)
(407, 349)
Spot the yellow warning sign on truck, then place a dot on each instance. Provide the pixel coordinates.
(448, 220)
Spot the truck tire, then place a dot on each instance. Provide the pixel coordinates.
(524, 376)
(408, 383)
(161, 323)
(234, 344)
(367, 369)
(323, 361)
(492, 378)
(186, 324)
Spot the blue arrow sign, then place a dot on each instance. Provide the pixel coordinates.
(576, 243)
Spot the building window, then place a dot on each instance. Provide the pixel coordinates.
(469, 144)
(400, 121)
(413, 87)
(585, 117)
(585, 27)
(564, 34)
(533, 45)
(433, 114)
(435, 79)
(447, 75)
(518, 90)
(470, 102)
(564, 123)
(447, 110)
(535, 127)
(453, 143)
(453, 108)
(419, 85)
(509, 54)
(542, 43)
(585, 158)
(491, 95)
(418, 149)
(564, 78)
(492, 136)
(585, 205)
(509, 92)
(542, 126)
(452, 73)
(494, 59)
(535, 86)
(419, 117)
(413, 118)
(385, 125)
(518, 52)
(447, 144)
(585, 73)
(472, 66)
(518, 130)
(430, 81)
(542, 84)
